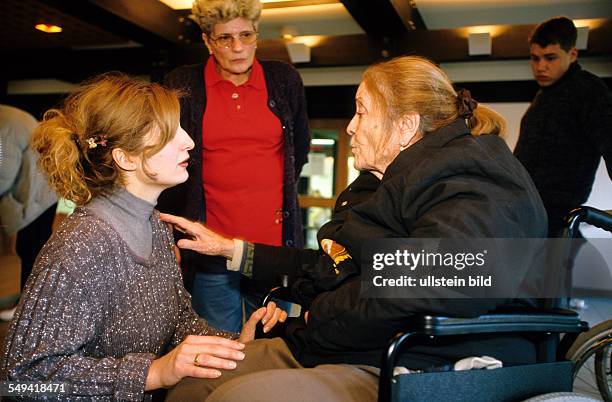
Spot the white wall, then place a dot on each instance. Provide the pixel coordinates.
(512, 112)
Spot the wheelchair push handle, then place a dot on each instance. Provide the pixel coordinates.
(601, 219)
(590, 215)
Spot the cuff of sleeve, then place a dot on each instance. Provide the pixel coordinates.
(246, 267)
(132, 376)
(235, 262)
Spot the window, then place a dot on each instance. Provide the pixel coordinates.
(324, 176)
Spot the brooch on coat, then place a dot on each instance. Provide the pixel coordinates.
(336, 252)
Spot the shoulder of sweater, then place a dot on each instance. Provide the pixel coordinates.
(81, 246)
(17, 125)
(163, 226)
(16, 116)
(586, 74)
(586, 84)
(84, 231)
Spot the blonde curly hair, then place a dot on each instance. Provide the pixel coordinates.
(207, 13)
(109, 111)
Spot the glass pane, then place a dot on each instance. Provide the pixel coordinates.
(315, 217)
(318, 175)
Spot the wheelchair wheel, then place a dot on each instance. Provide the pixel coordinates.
(590, 355)
(603, 370)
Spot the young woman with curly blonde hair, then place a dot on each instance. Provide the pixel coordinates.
(105, 312)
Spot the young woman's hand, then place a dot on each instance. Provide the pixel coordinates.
(269, 317)
(203, 240)
(197, 356)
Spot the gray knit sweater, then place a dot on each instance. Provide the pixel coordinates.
(94, 315)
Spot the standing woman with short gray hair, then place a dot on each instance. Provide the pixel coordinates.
(248, 121)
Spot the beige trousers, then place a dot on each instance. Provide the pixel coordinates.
(270, 373)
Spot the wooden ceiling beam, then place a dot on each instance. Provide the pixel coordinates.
(158, 26)
(378, 18)
(409, 14)
(385, 20)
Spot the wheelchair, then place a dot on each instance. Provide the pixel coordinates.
(581, 353)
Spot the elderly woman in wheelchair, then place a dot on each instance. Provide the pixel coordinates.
(434, 167)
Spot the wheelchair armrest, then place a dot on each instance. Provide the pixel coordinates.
(556, 320)
(549, 321)
(279, 292)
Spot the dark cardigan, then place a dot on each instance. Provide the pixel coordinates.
(287, 101)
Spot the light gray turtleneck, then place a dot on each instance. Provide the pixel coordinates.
(129, 215)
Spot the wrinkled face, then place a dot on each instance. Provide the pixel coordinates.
(373, 146)
(237, 59)
(549, 63)
(169, 165)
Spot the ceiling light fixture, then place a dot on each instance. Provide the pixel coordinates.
(288, 32)
(479, 44)
(298, 47)
(493, 30)
(592, 23)
(298, 52)
(48, 28)
(582, 38)
(310, 40)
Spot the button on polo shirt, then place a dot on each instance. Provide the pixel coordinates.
(243, 158)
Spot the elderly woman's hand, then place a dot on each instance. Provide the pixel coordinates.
(203, 240)
(269, 317)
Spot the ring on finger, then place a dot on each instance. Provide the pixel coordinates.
(195, 360)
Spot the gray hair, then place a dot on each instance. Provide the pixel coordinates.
(207, 13)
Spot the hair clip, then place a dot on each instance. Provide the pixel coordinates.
(93, 142)
(465, 104)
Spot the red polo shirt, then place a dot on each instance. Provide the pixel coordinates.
(242, 156)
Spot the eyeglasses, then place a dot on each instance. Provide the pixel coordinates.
(226, 40)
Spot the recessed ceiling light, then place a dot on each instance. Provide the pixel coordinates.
(47, 28)
(592, 23)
